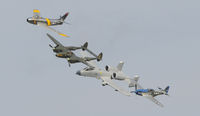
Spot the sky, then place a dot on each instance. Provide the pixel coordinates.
(157, 40)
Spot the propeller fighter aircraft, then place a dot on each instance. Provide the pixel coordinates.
(46, 22)
(66, 52)
(150, 93)
(104, 75)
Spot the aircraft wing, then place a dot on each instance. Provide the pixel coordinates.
(108, 81)
(51, 29)
(154, 100)
(54, 40)
(91, 63)
(36, 14)
(88, 63)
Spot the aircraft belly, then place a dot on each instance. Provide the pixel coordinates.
(145, 94)
(55, 22)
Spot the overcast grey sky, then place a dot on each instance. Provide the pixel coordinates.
(158, 40)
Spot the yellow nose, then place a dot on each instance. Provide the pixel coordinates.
(59, 55)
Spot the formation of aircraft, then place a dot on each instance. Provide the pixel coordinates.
(46, 22)
(108, 75)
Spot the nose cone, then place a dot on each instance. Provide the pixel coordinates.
(28, 20)
(78, 72)
(54, 50)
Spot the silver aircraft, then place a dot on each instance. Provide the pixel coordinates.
(150, 93)
(66, 52)
(46, 22)
(104, 75)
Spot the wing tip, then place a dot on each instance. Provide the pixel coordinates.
(37, 11)
(64, 35)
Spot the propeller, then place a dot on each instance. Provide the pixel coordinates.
(68, 62)
(50, 46)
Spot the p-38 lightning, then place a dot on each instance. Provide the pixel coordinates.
(150, 93)
(46, 22)
(66, 52)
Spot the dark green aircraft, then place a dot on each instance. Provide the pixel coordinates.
(67, 52)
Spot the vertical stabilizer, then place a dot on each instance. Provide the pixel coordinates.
(167, 89)
(120, 66)
(64, 16)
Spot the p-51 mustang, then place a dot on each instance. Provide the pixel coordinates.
(104, 75)
(66, 52)
(150, 93)
(46, 22)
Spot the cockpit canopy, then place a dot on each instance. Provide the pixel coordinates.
(150, 89)
(88, 69)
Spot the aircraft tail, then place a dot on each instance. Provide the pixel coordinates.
(166, 89)
(99, 57)
(84, 47)
(120, 66)
(133, 82)
(64, 16)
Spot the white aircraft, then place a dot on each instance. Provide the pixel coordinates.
(117, 74)
(105, 76)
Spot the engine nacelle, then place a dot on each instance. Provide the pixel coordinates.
(117, 77)
(109, 68)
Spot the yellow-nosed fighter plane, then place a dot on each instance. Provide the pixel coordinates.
(46, 22)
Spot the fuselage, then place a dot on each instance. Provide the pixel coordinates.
(69, 55)
(97, 73)
(144, 92)
(49, 22)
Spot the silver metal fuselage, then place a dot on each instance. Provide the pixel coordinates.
(97, 73)
(145, 92)
(49, 22)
